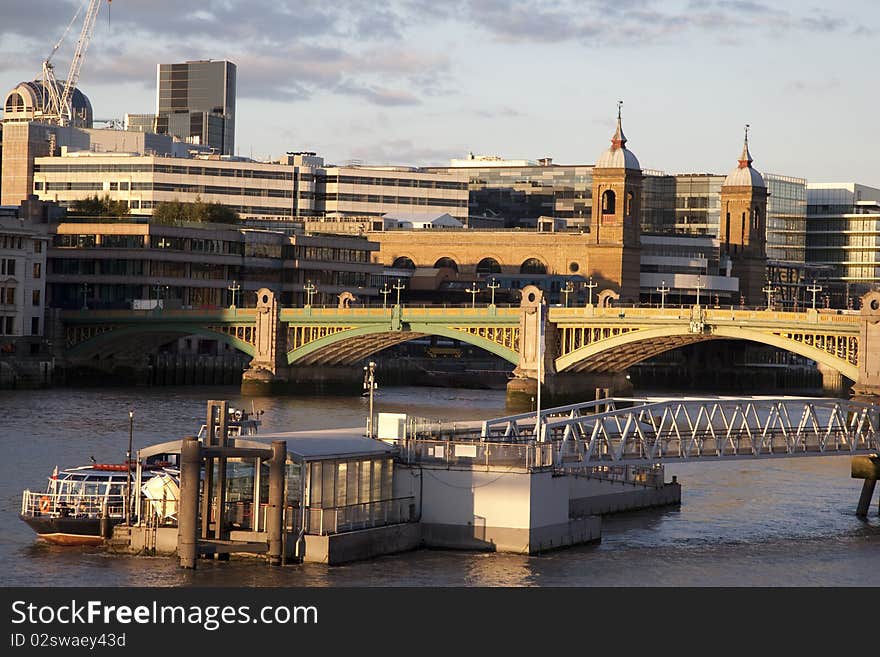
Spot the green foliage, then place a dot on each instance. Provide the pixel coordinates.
(92, 206)
(173, 212)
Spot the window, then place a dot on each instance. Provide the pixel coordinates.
(9, 326)
(35, 325)
(9, 296)
(38, 269)
(35, 298)
(38, 246)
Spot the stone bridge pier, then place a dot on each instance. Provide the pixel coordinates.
(868, 385)
(537, 340)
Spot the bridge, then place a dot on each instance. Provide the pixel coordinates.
(581, 346)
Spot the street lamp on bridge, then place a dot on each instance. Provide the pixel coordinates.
(814, 288)
(662, 290)
(768, 290)
(235, 287)
(310, 291)
(385, 291)
(473, 292)
(494, 285)
(590, 287)
(568, 289)
(398, 286)
(699, 286)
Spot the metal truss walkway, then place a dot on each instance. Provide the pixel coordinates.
(651, 430)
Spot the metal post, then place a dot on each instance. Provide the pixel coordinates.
(769, 290)
(699, 287)
(128, 469)
(274, 519)
(397, 286)
(865, 498)
(385, 291)
(370, 385)
(814, 288)
(233, 288)
(310, 291)
(590, 287)
(188, 510)
(662, 290)
(568, 289)
(494, 285)
(473, 292)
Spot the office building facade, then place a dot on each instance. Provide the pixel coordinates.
(196, 103)
(843, 240)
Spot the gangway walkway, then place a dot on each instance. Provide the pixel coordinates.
(650, 430)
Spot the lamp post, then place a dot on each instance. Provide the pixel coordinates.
(385, 291)
(128, 469)
(235, 287)
(85, 288)
(369, 386)
(814, 288)
(662, 290)
(699, 286)
(568, 289)
(397, 286)
(769, 291)
(590, 287)
(494, 285)
(310, 291)
(473, 292)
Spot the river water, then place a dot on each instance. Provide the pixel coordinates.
(785, 522)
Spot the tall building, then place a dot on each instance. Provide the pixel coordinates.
(196, 103)
(843, 239)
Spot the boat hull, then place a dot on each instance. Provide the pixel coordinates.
(68, 531)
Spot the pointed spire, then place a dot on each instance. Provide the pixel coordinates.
(619, 139)
(745, 160)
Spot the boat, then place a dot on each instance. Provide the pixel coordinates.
(70, 510)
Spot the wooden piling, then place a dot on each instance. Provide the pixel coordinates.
(188, 509)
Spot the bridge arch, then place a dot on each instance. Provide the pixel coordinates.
(622, 351)
(119, 336)
(353, 345)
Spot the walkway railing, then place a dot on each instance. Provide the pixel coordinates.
(471, 453)
(69, 505)
(332, 520)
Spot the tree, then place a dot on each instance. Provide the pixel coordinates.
(92, 206)
(172, 212)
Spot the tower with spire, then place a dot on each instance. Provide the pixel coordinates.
(743, 225)
(616, 215)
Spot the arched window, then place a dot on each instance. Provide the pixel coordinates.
(403, 263)
(488, 266)
(15, 102)
(533, 266)
(629, 203)
(446, 263)
(608, 201)
(756, 219)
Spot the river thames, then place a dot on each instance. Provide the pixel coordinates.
(783, 522)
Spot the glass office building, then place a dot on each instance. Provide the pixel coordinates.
(196, 102)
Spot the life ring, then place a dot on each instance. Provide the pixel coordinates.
(45, 504)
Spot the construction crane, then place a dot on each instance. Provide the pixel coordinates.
(57, 102)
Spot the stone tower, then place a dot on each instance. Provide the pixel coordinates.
(743, 226)
(616, 218)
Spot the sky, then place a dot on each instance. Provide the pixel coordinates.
(417, 82)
